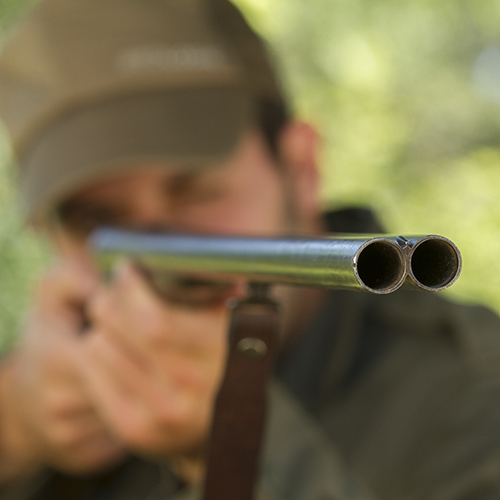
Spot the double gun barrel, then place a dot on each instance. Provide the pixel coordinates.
(375, 263)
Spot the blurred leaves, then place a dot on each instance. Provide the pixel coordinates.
(11, 10)
(406, 96)
(22, 255)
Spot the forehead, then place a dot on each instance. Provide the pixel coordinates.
(251, 158)
(145, 177)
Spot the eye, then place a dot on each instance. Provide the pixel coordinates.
(80, 219)
(193, 189)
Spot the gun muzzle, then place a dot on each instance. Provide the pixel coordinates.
(433, 262)
(377, 264)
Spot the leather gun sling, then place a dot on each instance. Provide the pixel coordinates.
(240, 408)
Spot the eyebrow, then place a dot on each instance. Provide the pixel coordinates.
(174, 184)
(88, 209)
(181, 181)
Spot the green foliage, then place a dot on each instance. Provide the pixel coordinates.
(22, 255)
(408, 106)
(409, 124)
(11, 10)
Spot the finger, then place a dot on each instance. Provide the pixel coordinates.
(166, 393)
(128, 398)
(130, 309)
(66, 401)
(147, 412)
(116, 376)
(65, 287)
(73, 448)
(67, 430)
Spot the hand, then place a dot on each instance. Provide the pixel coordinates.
(48, 417)
(153, 368)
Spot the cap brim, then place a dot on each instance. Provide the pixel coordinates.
(189, 126)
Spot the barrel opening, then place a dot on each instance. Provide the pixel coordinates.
(381, 267)
(435, 264)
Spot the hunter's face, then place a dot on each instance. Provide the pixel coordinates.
(247, 194)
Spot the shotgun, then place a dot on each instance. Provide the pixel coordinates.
(375, 263)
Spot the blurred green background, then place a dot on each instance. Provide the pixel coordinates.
(406, 94)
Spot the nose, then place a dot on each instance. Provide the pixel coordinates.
(150, 210)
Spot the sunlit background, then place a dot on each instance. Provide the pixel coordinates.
(406, 95)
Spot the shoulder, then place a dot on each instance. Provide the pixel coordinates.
(470, 333)
(429, 404)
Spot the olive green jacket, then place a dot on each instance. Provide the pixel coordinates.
(394, 397)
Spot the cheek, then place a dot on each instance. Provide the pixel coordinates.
(255, 206)
(262, 211)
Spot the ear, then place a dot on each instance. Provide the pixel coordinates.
(298, 151)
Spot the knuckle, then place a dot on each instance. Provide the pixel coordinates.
(193, 378)
(55, 406)
(137, 432)
(177, 413)
(166, 425)
(64, 435)
(100, 305)
(154, 327)
(169, 415)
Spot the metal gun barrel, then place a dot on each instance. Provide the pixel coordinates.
(376, 263)
(433, 262)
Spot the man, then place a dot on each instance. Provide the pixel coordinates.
(165, 114)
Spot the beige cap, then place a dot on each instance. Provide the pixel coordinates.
(93, 87)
